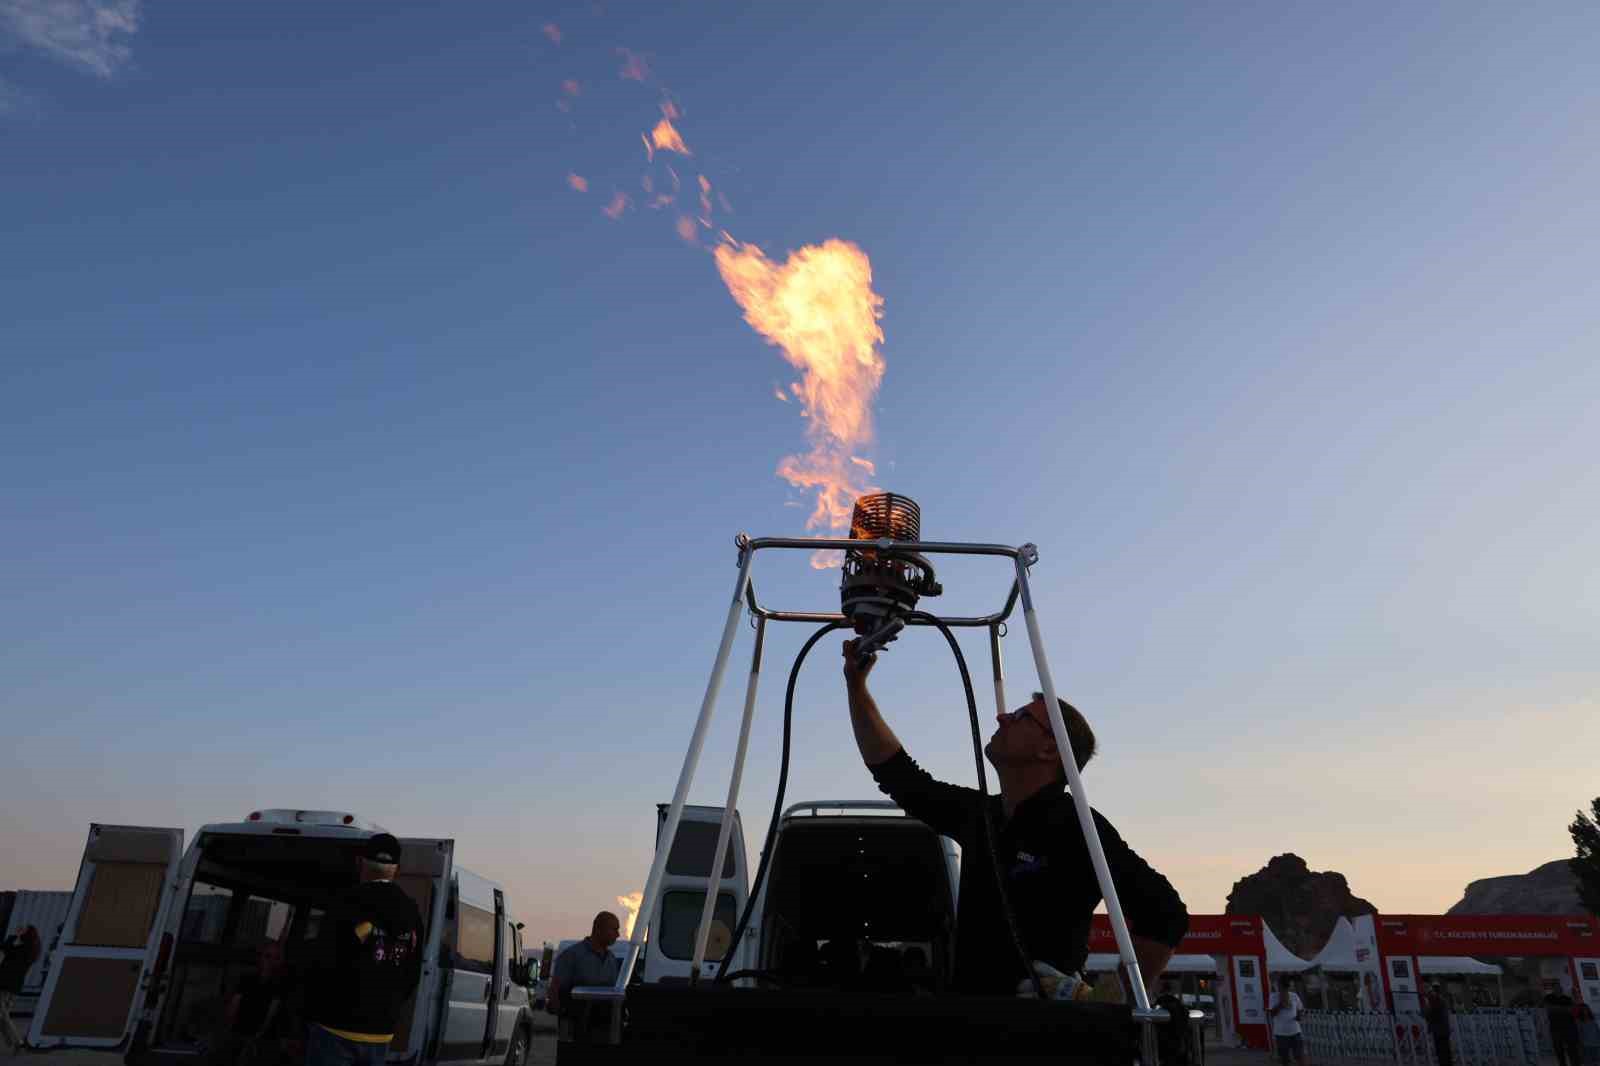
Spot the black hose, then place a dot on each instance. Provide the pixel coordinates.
(777, 804)
(983, 792)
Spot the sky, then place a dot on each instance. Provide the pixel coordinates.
(356, 460)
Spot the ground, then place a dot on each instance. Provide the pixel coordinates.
(543, 1053)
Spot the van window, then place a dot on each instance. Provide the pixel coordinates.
(262, 920)
(206, 914)
(680, 919)
(474, 939)
(691, 851)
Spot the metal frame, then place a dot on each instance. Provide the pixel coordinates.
(744, 595)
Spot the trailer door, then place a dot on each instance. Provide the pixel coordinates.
(108, 951)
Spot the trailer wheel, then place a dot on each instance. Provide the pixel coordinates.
(517, 1054)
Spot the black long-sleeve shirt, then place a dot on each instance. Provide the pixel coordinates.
(372, 961)
(1050, 878)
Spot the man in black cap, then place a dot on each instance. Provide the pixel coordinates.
(372, 944)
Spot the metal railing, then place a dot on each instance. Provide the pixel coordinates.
(1489, 1037)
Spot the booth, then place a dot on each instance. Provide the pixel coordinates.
(1235, 948)
(1414, 945)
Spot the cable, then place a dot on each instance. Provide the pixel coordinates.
(983, 792)
(777, 804)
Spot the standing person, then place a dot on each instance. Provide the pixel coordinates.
(1285, 1010)
(1436, 1010)
(22, 951)
(1050, 880)
(253, 1019)
(1588, 1034)
(1563, 1026)
(371, 960)
(588, 962)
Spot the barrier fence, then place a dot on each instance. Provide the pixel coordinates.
(1489, 1037)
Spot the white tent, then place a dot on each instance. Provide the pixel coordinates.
(1279, 958)
(1106, 962)
(1339, 953)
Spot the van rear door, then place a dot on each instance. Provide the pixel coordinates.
(669, 954)
(107, 951)
(424, 874)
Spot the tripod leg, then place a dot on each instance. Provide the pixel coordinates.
(669, 829)
(1080, 799)
(703, 934)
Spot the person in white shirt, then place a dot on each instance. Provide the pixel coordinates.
(1285, 1010)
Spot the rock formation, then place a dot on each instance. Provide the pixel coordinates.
(1548, 889)
(1300, 904)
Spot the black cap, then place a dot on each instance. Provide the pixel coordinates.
(382, 848)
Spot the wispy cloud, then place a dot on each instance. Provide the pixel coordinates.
(91, 35)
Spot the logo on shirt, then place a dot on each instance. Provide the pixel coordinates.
(383, 946)
(1027, 863)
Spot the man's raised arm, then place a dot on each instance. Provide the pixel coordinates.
(875, 740)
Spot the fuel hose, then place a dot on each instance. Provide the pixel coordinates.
(783, 784)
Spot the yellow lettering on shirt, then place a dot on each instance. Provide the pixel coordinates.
(363, 931)
(360, 1038)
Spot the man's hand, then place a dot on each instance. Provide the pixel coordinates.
(856, 666)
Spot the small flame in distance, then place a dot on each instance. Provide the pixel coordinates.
(630, 906)
(819, 309)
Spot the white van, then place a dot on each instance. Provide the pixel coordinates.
(668, 953)
(157, 937)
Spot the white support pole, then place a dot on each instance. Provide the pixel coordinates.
(999, 673)
(703, 934)
(1080, 799)
(669, 829)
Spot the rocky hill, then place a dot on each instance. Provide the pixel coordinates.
(1300, 904)
(1547, 889)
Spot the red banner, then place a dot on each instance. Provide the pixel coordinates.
(1495, 935)
(1209, 934)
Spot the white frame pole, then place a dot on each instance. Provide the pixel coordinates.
(999, 671)
(1080, 799)
(669, 830)
(725, 833)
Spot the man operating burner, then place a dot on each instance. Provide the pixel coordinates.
(1050, 878)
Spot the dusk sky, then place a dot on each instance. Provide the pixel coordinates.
(356, 459)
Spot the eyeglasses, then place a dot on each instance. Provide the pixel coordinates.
(1021, 714)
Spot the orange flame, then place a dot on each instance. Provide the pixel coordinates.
(578, 182)
(619, 203)
(687, 231)
(819, 309)
(665, 137)
(552, 31)
(630, 904)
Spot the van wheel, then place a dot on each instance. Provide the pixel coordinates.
(517, 1054)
